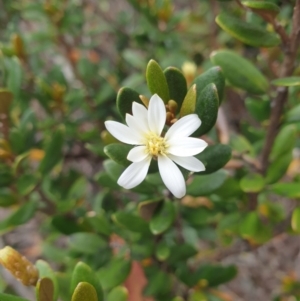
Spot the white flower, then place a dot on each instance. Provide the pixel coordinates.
(145, 131)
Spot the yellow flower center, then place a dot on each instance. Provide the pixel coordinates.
(156, 145)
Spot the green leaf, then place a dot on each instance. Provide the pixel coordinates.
(278, 168)
(287, 81)
(45, 290)
(240, 72)
(53, 152)
(253, 229)
(259, 109)
(213, 75)
(284, 142)
(177, 84)
(15, 76)
(206, 184)
(250, 34)
(65, 224)
(6, 98)
(99, 222)
(214, 157)
(83, 292)
(263, 8)
(125, 98)
(163, 218)
(189, 102)
(296, 220)
(207, 106)
(131, 222)
(158, 284)
(115, 273)
(211, 275)
(87, 243)
(156, 81)
(20, 216)
(293, 115)
(162, 251)
(7, 197)
(119, 293)
(46, 272)
(118, 152)
(181, 253)
(7, 297)
(103, 179)
(26, 183)
(252, 183)
(83, 273)
(113, 169)
(240, 144)
(290, 190)
(198, 216)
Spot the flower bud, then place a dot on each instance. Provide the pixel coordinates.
(172, 106)
(189, 70)
(19, 266)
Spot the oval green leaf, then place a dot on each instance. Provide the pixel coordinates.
(87, 243)
(250, 34)
(53, 152)
(156, 80)
(115, 273)
(126, 96)
(45, 290)
(131, 222)
(290, 190)
(207, 106)
(266, 9)
(287, 81)
(293, 115)
(252, 183)
(45, 271)
(163, 218)
(213, 75)
(83, 273)
(240, 72)
(278, 168)
(83, 292)
(118, 152)
(177, 84)
(206, 184)
(214, 157)
(119, 293)
(284, 142)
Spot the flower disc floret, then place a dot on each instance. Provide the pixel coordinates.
(156, 145)
(145, 130)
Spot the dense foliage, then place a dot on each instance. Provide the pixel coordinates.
(68, 66)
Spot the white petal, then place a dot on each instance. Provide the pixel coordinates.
(141, 114)
(137, 154)
(184, 127)
(186, 146)
(135, 125)
(156, 114)
(123, 132)
(171, 176)
(189, 163)
(134, 174)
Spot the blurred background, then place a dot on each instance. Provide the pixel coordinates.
(64, 62)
